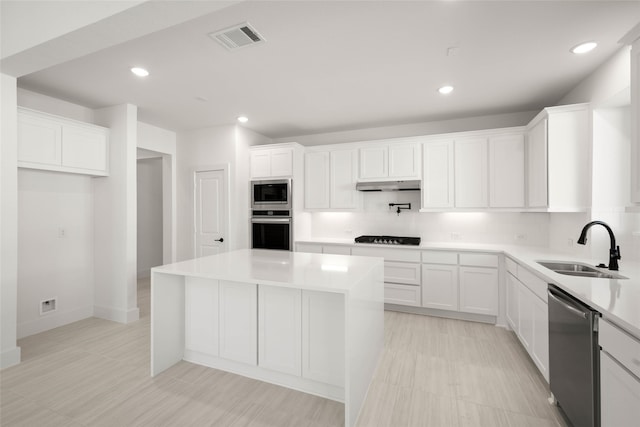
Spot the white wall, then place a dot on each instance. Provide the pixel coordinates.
(9, 351)
(48, 104)
(115, 218)
(55, 249)
(149, 230)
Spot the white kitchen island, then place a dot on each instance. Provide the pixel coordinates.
(310, 322)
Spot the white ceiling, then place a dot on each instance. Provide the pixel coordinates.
(331, 66)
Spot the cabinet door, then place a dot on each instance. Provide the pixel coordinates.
(238, 321)
(260, 164)
(343, 165)
(440, 286)
(84, 148)
(438, 178)
(309, 247)
(525, 319)
(402, 272)
(39, 140)
(540, 344)
(635, 131)
(281, 162)
(506, 176)
(323, 346)
(619, 394)
(280, 329)
(537, 164)
(316, 180)
(373, 162)
(479, 290)
(471, 178)
(402, 294)
(404, 161)
(512, 302)
(201, 315)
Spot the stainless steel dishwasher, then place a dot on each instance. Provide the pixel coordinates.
(574, 358)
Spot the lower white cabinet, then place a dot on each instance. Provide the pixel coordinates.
(317, 248)
(280, 329)
(323, 339)
(440, 286)
(238, 311)
(479, 290)
(511, 311)
(201, 321)
(540, 344)
(395, 293)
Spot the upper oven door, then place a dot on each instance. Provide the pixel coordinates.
(274, 194)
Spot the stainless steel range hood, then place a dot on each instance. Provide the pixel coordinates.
(389, 186)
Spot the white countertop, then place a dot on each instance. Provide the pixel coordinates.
(322, 272)
(616, 299)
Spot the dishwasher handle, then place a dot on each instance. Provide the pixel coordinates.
(569, 305)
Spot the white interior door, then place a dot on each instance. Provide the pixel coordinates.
(211, 201)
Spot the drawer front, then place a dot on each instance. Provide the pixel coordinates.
(479, 260)
(620, 345)
(336, 250)
(402, 294)
(440, 257)
(533, 282)
(309, 247)
(389, 254)
(402, 272)
(512, 267)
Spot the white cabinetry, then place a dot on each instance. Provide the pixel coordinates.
(619, 376)
(438, 174)
(319, 248)
(506, 171)
(527, 313)
(330, 179)
(201, 321)
(471, 174)
(479, 290)
(273, 161)
(280, 329)
(633, 38)
(323, 339)
(238, 322)
(55, 143)
(440, 286)
(389, 161)
(558, 157)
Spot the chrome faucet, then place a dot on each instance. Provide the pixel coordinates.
(614, 251)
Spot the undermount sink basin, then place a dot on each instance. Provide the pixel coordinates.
(580, 270)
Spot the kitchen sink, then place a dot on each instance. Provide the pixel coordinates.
(580, 270)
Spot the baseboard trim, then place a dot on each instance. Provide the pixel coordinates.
(10, 358)
(116, 314)
(442, 313)
(53, 320)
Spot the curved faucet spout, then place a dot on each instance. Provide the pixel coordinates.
(614, 251)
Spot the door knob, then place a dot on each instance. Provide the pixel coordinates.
(220, 240)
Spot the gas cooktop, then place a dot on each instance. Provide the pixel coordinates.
(389, 240)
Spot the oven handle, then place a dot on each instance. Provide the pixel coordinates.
(268, 220)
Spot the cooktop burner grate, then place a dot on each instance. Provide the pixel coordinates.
(389, 240)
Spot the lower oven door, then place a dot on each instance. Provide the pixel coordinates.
(271, 233)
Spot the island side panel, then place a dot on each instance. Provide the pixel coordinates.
(167, 321)
(364, 338)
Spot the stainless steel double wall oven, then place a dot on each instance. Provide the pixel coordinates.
(271, 214)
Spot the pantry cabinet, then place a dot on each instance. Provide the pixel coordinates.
(558, 157)
(389, 161)
(330, 179)
(50, 142)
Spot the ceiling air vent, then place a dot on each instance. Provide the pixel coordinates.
(238, 36)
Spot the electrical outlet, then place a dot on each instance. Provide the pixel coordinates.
(61, 232)
(49, 305)
(455, 236)
(520, 237)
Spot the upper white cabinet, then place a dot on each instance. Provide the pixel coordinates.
(330, 179)
(558, 157)
(274, 160)
(506, 171)
(390, 161)
(633, 38)
(471, 174)
(55, 143)
(438, 174)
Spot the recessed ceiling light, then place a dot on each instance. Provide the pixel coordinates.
(243, 119)
(584, 47)
(445, 90)
(140, 72)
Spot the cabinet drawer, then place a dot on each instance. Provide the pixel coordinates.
(621, 345)
(402, 272)
(440, 257)
(533, 282)
(512, 267)
(389, 254)
(309, 247)
(336, 250)
(479, 260)
(402, 294)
